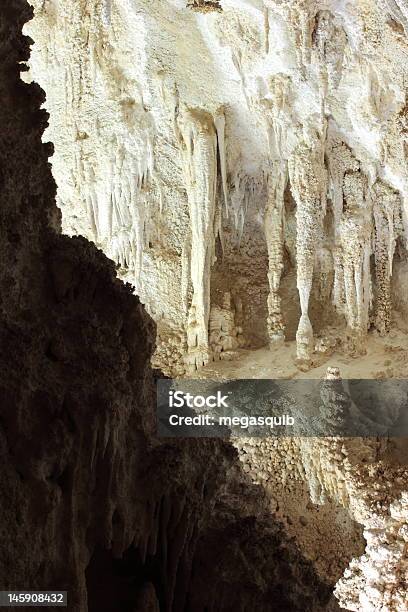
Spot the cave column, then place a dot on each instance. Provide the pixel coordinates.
(277, 113)
(308, 183)
(386, 206)
(355, 235)
(340, 162)
(274, 234)
(198, 138)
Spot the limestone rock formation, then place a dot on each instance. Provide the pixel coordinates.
(92, 502)
(259, 153)
(188, 159)
(225, 335)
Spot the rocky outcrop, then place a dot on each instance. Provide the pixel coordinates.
(92, 502)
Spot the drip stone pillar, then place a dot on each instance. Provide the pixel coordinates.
(198, 139)
(386, 207)
(355, 235)
(276, 110)
(340, 161)
(308, 183)
(274, 234)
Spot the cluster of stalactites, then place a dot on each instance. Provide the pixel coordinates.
(366, 222)
(204, 6)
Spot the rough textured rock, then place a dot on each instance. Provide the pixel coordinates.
(366, 476)
(204, 6)
(259, 153)
(91, 501)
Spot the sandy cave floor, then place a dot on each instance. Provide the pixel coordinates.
(386, 357)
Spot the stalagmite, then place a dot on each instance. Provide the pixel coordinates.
(377, 580)
(225, 336)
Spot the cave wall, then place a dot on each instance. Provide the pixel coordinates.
(252, 102)
(92, 502)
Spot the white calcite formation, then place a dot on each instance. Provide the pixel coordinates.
(244, 164)
(197, 139)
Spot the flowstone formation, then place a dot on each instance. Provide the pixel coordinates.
(263, 153)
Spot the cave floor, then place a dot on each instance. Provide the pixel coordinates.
(386, 357)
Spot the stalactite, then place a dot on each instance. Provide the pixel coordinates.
(276, 108)
(267, 29)
(219, 121)
(243, 191)
(302, 14)
(113, 179)
(186, 272)
(329, 42)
